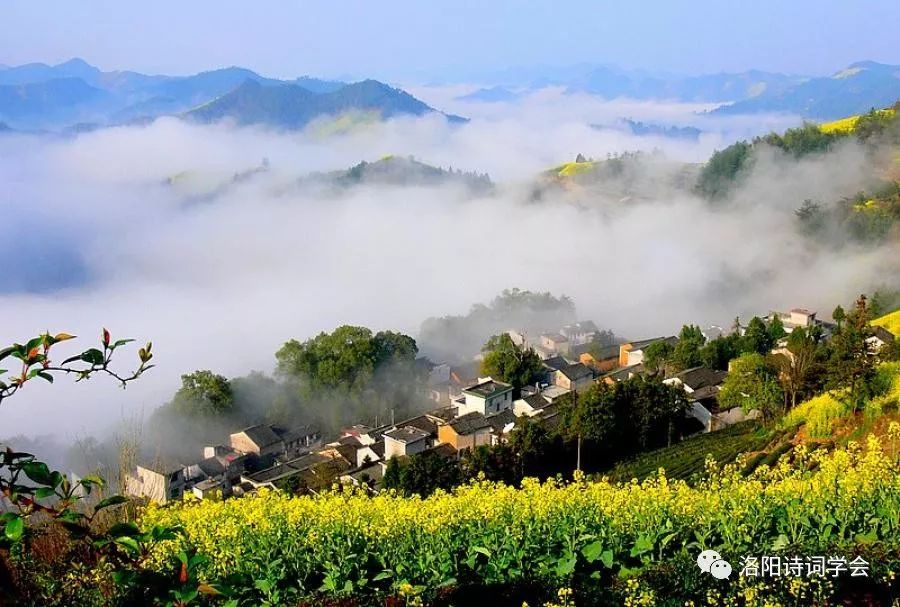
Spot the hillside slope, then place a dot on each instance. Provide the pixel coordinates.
(291, 107)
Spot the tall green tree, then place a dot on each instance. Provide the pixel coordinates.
(658, 357)
(687, 351)
(851, 364)
(751, 384)
(756, 337)
(203, 393)
(839, 316)
(717, 353)
(798, 364)
(351, 374)
(776, 329)
(505, 361)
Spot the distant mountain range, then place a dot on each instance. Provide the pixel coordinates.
(610, 82)
(77, 94)
(494, 94)
(855, 89)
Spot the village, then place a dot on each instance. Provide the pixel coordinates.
(470, 411)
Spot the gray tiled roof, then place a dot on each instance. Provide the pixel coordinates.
(470, 422)
(262, 436)
(488, 388)
(407, 434)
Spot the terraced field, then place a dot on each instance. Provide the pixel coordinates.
(686, 459)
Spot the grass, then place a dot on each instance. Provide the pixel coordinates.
(688, 458)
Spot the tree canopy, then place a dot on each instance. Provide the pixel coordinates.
(751, 384)
(505, 361)
(203, 393)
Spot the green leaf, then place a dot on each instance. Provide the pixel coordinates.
(44, 492)
(120, 342)
(34, 343)
(92, 479)
(6, 352)
(56, 479)
(481, 550)
(606, 557)
(71, 516)
(124, 530)
(15, 529)
(38, 472)
(45, 376)
(92, 356)
(129, 543)
(566, 565)
(867, 538)
(383, 575)
(592, 551)
(113, 500)
(642, 545)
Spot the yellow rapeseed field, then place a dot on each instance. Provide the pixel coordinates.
(346, 541)
(891, 322)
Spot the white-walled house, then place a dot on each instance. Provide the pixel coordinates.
(487, 397)
(407, 440)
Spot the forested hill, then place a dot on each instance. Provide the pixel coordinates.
(868, 216)
(289, 106)
(405, 171)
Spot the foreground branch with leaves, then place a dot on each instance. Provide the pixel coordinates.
(36, 502)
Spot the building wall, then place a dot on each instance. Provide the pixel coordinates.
(472, 404)
(634, 357)
(448, 435)
(241, 442)
(578, 385)
(498, 403)
(555, 346)
(393, 448)
(418, 446)
(494, 404)
(602, 366)
(624, 350)
(160, 488)
(521, 407)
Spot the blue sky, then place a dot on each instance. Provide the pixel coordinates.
(436, 39)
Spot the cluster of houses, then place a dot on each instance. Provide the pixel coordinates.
(470, 411)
